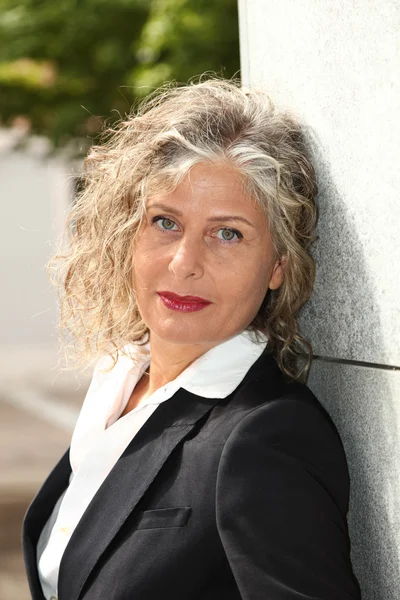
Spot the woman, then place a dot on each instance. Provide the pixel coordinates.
(201, 466)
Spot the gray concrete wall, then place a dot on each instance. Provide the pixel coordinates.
(337, 64)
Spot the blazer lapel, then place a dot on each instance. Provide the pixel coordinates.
(125, 485)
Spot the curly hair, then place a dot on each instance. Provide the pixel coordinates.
(152, 149)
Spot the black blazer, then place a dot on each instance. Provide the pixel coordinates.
(214, 499)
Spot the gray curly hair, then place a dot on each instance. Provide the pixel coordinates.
(151, 150)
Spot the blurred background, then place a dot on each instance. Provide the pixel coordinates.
(65, 69)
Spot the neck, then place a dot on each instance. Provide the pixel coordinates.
(170, 360)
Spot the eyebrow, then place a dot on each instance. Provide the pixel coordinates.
(177, 212)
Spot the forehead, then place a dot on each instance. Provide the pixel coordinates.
(209, 187)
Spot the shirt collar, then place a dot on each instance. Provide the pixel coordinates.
(217, 372)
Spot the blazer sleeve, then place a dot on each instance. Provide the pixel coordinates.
(281, 501)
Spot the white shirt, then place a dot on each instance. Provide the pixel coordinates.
(100, 437)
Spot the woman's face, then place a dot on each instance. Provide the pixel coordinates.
(204, 239)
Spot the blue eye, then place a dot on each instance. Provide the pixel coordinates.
(167, 225)
(159, 218)
(230, 231)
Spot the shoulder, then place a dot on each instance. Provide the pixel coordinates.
(265, 391)
(290, 429)
(295, 416)
(292, 409)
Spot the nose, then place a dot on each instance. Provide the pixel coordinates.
(187, 259)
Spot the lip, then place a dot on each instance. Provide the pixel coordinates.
(184, 299)
(170, 301)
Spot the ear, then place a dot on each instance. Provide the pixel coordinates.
(278, 273)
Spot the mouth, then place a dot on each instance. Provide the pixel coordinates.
(184, 299)
(183, 304)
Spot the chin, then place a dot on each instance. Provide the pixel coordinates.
(180, 334)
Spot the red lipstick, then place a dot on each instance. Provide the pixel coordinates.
(183, 303)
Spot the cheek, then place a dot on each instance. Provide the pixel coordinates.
(254, 278)
(145, 264)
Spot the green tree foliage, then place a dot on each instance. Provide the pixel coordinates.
(66, 66)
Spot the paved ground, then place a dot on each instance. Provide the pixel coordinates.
(36, 421)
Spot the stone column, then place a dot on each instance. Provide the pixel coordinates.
(337, 64)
